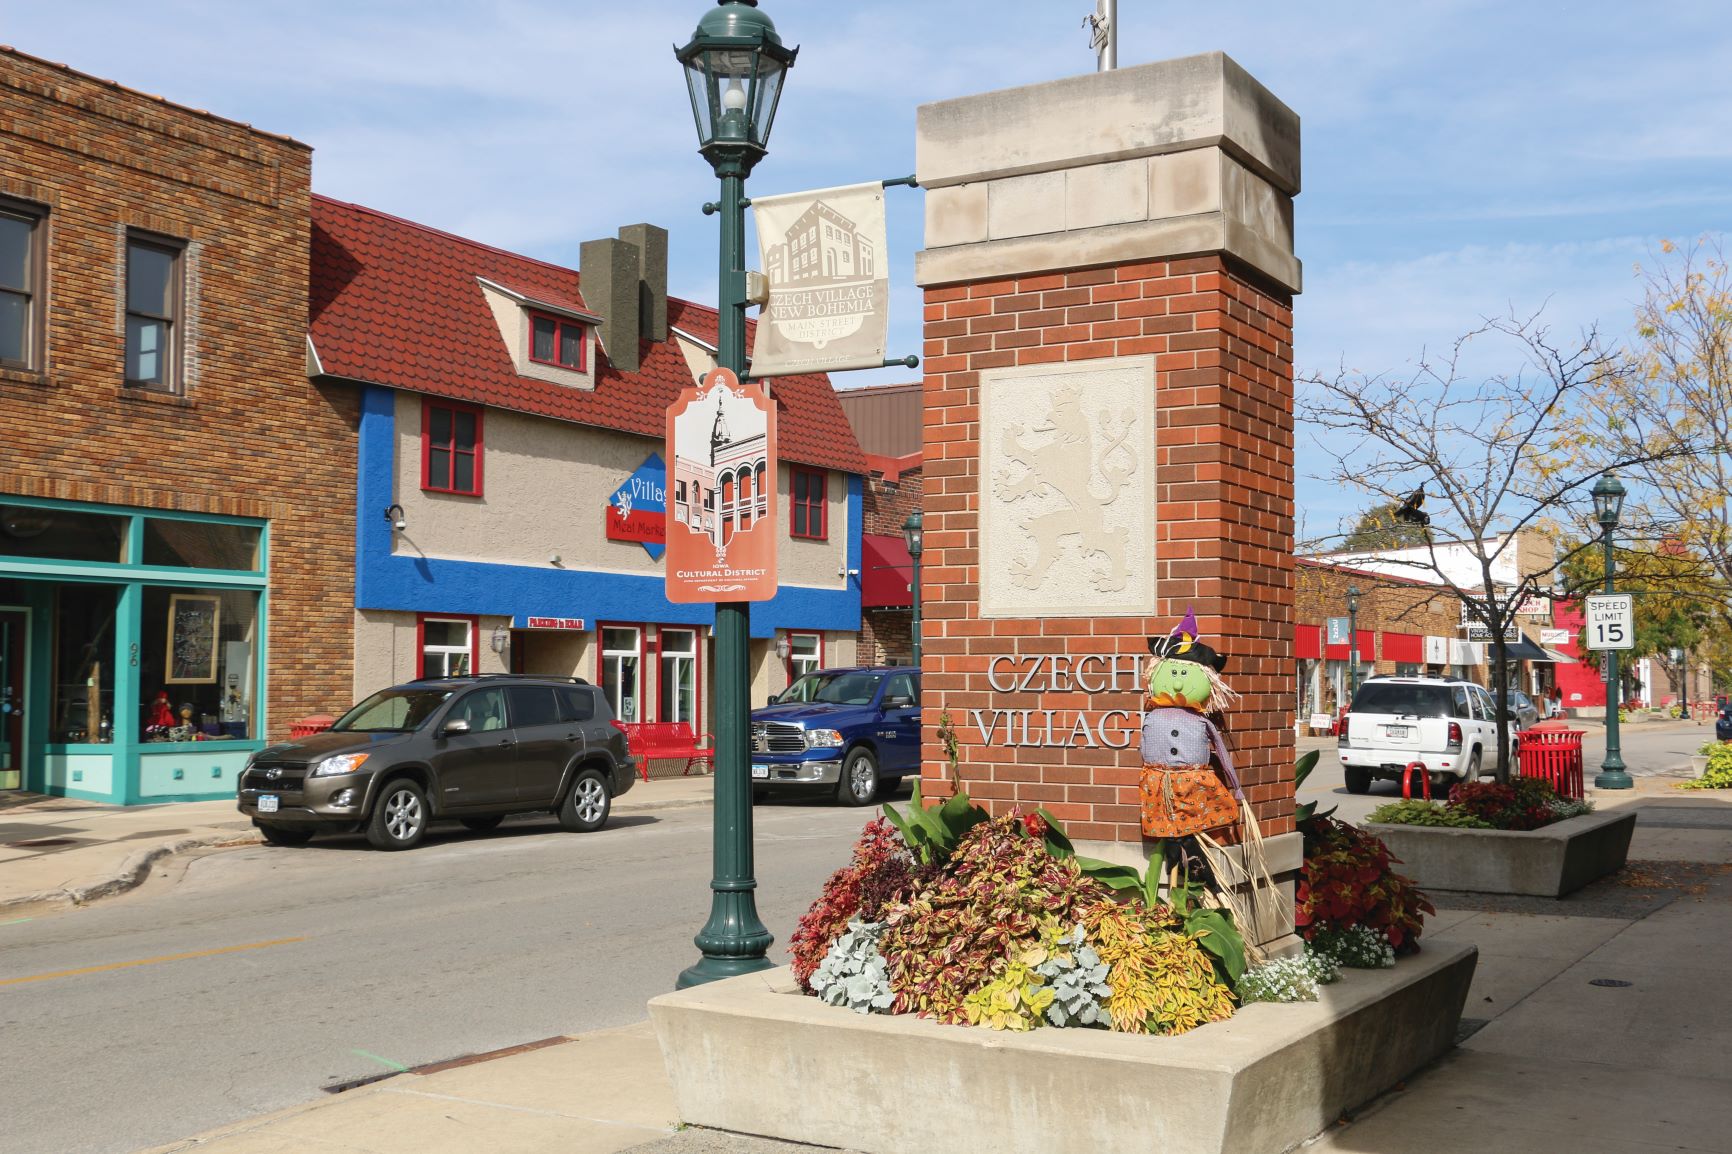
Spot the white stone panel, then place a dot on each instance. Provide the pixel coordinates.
(1067, 508)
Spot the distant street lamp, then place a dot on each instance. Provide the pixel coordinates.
(913, 534)
(1352, 640)
(735, 65)
(1608, 506)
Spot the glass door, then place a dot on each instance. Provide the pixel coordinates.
(13, 624)
(621, 670)
(679, 676)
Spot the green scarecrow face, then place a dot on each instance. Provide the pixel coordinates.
(1182, 683)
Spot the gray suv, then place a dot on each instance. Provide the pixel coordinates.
(470, 748)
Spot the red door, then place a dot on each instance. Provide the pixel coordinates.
(12, 628)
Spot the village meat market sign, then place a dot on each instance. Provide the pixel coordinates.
(1093, 673)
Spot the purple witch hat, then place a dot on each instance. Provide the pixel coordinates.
(1183, 644)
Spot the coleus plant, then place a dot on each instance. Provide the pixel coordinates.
(1349, 880)
(1213, 928)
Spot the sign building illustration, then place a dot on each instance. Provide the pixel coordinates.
(721, 528)
(829, 286)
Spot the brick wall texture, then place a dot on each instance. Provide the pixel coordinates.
(250, 436)
(1384, 605)
(887, 635)
(1224, 532)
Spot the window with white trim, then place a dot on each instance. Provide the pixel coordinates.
(679, 676)
(446, 647)
(621, 670)
(805, 654)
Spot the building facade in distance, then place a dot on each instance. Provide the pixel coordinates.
(176, 506)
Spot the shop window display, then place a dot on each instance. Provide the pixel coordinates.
(84, 664)
(200, 544)
(198, 662)
(64, 534)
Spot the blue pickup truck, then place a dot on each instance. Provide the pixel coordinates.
(856, 731)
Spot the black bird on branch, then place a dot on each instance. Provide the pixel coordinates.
(1410, 512)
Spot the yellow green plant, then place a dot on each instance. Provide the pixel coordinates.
(1015, 1000)
(1163, 982)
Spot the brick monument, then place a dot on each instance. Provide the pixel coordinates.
(1109, 276)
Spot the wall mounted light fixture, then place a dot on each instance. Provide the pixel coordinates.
(394, 514)
(500, 639)
(783, 648)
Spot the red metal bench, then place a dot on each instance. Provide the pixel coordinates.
(667, 740)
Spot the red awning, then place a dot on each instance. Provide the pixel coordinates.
(1307, 641)
(1405, 647)
(1367, 654)
(885, 572)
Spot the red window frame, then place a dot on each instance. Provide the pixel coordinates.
(655, 654)
(428, 448)
(645, 705)
(788, 662)
(421, 620)
(560, 324)
(818, 508)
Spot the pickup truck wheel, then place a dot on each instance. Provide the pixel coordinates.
(399, 818)
(1472, 774)
(859, 784)
(285, 835)
(1358, 780)
(587, 803)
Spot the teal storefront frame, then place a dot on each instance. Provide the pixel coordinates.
(127, 770)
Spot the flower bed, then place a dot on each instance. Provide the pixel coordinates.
(968, 919)
(1525, 803)
(1717, 774)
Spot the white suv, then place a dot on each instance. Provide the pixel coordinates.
(1448, 726)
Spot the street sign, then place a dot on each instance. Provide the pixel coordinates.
(1477, 632)
(1611, 621)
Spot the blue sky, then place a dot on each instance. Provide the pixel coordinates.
(1460, 158)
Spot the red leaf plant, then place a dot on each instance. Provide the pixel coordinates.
(1348, 881)
(878, 873)
(1525, 803)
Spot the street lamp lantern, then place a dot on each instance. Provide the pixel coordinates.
(1608, 501)
(735, 65)
(914, 536)
(1353, 599)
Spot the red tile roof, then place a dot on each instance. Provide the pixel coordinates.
(396, 303)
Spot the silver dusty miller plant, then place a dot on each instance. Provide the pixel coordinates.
(854, 973)
(1078, 980)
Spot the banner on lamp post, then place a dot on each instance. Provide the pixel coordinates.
(824, 257)
(721, 508)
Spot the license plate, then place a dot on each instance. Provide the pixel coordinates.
(268, 803)
(761, 771)
(1396, 730)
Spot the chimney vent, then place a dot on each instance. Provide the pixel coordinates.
(608, 272)
(651, 243)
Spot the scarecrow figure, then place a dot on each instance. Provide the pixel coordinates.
(1191, 798)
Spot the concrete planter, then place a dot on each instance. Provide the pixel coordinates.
(1548, 863)
(752, 1055)
(1698, 765)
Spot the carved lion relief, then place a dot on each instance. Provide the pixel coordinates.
(1067, 510)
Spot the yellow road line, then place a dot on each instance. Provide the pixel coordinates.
(147, 961)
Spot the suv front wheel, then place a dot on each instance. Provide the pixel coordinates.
(587, 803)
(399, 819)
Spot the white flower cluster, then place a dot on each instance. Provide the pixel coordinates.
(1289, 979)
(854, 973)
(1563, 807)
(1357, 948)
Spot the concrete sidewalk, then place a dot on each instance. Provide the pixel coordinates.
(59, 852)
(1550, 1062)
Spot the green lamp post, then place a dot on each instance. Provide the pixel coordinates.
(914, 536)
(735, 65)
(1352, 641)
(1608, 494)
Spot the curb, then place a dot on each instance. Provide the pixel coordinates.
(132, 873)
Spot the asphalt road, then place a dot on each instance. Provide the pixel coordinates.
(343, 963)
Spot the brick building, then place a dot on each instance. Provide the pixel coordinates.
(176, 512)
(886, 420)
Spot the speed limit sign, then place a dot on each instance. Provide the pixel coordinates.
(1611, 621)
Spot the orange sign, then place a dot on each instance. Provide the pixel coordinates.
(721, 495)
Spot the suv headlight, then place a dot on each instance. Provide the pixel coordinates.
(339, 764)
(823, 739)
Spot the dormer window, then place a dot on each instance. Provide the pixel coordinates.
(557, 342)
